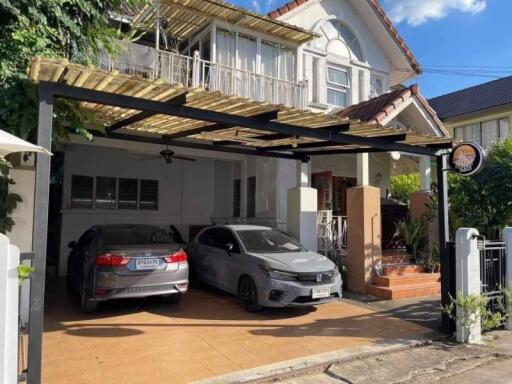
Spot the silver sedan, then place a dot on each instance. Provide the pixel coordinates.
(264, 267)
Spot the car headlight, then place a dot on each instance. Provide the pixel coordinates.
(279, 275)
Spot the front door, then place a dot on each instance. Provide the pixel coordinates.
(322, 182)
(340, 186)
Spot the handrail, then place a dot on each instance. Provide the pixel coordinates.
(196, 72)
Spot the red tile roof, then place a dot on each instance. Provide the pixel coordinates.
(376, 110)
(379, 12)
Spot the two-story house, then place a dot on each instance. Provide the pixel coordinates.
(310, 60)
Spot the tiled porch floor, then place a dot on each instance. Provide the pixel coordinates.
(206, 335)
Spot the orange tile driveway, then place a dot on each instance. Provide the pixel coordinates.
(206, 335)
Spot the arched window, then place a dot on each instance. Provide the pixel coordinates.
(338, 39)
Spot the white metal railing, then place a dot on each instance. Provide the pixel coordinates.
(239, 82)
(152, 64)
(331, 232)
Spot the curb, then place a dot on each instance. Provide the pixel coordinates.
(320, 362)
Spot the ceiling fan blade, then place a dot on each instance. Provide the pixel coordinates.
(183, 158)
(152, 158)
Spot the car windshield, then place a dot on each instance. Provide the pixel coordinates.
(136, 236)
(268, 241)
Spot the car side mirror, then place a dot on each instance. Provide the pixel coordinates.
(229, 248)
(72, 244)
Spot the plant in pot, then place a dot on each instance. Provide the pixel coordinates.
(413, 235)
(8, 200)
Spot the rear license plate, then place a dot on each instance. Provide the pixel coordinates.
(321, 292)
(146, 264)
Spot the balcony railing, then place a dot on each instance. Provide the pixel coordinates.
(194, 72)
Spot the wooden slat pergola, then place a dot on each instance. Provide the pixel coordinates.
(352, 135)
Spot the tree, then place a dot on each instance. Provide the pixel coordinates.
(484, 200)
(403, 185)
(74, 29)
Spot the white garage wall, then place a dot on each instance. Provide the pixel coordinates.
(23, 215)
(186, 191)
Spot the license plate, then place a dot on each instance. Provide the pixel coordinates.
(321, 292)
(146, 264)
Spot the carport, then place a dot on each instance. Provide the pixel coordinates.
(139, 110)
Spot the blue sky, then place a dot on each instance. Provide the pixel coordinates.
(441, 33)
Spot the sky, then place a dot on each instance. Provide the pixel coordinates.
(469, 39)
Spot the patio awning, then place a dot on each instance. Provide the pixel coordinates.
(219, 121)
(187, 18)
(10, 144)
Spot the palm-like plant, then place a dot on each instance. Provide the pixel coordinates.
(413, 234)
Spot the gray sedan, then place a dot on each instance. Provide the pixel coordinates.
(264, 267)
(125, 261)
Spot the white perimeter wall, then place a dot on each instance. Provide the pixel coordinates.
(23, 215)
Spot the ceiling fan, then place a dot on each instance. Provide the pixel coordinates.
(168, 156)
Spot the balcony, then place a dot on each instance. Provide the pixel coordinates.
(153, 64)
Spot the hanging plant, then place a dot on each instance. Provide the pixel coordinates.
(8, 201)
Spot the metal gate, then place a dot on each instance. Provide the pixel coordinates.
(492, 271)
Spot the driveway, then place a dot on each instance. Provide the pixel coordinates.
(207, 334)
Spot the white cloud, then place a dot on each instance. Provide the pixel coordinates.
(416, 12)
(263, 6)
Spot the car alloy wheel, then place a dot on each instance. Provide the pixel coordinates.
(248, 295)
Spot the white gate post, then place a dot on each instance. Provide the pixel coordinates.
(507, 237)
(9, 290)
(467, 278)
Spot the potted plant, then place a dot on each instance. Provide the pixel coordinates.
(413, 235)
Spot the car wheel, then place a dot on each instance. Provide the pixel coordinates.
(174, 298)
(248, 295)
(86, 304)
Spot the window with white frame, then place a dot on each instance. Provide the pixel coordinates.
(486, 133)
(337, 39)
(376, 85)
(338, 85)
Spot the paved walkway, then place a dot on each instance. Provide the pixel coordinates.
(207, 334)
(439, 362)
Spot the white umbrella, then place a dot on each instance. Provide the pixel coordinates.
(10, 143)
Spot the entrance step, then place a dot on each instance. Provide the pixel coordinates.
(407, 279)
(401, 269)
(404, 291)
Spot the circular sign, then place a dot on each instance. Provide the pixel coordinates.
(466, 159)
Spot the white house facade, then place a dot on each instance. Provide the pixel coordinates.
(336, 57)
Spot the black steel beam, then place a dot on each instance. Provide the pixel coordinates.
(444, 237)
(398, 137)
(163, 140)
(343, 127)
(122, 101)
(40, 234)
(340, 151)
(271, 115)
(177, 100)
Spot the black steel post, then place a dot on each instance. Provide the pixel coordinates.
(444, 237)
(40, 232)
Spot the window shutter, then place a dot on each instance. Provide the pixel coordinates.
(237, 194)
(251, 196)
(148, 195)
(81, 191)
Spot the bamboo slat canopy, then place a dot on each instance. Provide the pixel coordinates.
(61, 71)
(185, 18)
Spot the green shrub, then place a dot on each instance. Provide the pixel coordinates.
(403, 185)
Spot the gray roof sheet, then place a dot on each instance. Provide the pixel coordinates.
(474, 99)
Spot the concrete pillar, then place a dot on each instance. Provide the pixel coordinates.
(425, 174)
(507, 237)
(302, 209)
(363, 169)
(467, 261)
(364, 235)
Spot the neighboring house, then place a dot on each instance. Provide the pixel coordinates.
(480, 114)
(340, 57)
